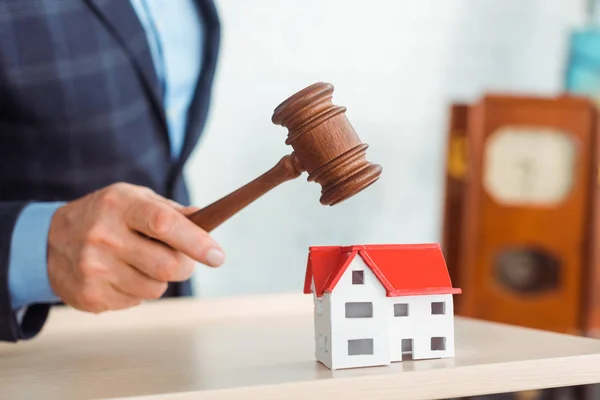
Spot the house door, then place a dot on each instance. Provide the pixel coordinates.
(407, 349)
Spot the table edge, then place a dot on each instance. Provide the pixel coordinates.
(462, 381)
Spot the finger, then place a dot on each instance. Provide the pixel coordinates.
(152, 194)
(154, 259)
(103, 298)
(185, 210)
(124, 278)
(131, 282)
(161, 222)
(117, 300)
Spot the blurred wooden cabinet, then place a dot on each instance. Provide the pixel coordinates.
(522, 211)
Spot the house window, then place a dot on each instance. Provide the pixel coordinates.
(438, 307)
(359, 310)
(438, 343)
(357, 347)
(401, 310)
(358, 277)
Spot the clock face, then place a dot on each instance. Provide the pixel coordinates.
(529, 165)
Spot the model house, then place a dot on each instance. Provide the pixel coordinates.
(377, 304)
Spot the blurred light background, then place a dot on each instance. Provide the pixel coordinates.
(396, 66)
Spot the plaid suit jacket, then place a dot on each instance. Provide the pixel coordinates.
(80, 108)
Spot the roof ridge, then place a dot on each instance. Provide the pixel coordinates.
(383, 246)
(378, 273)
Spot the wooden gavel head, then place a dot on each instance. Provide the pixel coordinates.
(326, 144)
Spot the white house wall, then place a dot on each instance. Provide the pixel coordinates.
(322, 318)
(345, 329)
(333, 330)
(421, 326)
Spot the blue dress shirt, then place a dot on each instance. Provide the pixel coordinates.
(175, 34)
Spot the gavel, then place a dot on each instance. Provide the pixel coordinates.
(324, 144)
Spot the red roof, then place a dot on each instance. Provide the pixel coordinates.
(403, 269)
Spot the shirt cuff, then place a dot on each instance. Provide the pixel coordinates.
(28, 267)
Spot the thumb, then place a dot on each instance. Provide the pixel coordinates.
(183, 209)
(188, 210)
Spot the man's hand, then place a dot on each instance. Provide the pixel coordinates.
(121, 245)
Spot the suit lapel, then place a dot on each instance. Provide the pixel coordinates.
(120, 19)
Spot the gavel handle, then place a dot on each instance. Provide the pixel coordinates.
(210, 217)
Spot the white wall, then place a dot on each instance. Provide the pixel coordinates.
(344, 329)
(396, 65)
(420, 325)
(386, 330)
(322, 326)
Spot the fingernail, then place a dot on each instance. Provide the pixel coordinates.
(215, 257)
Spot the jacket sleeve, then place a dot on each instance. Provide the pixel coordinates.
(15, 323)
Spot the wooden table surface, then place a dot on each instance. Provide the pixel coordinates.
(262, 348)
